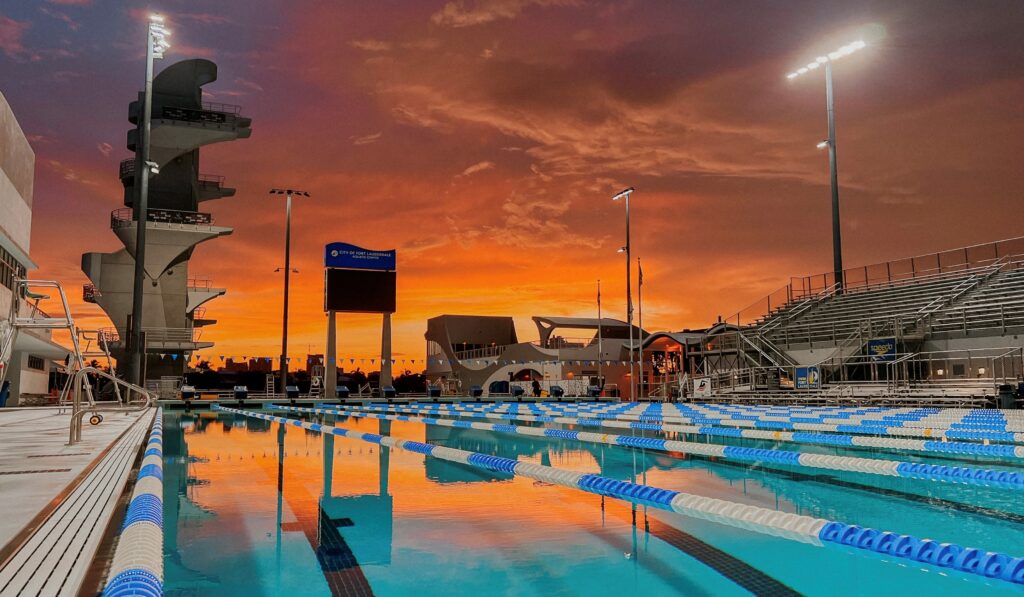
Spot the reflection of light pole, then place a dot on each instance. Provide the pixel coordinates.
(624, 194)
(287, 274)
(837, 243)
(156, 45)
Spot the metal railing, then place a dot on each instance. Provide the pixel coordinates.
(909, 268)
(124, 217)
(155, 335)
(127, 168)
(199, 284)
(479, 353)
(211, 180)
(209, 113)
(78, 411)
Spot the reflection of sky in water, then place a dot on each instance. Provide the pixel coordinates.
(395, 522)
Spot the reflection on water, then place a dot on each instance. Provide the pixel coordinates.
(256, 508)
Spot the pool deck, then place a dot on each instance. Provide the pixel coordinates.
(58, 500)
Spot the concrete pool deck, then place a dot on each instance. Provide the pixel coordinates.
(57, 499)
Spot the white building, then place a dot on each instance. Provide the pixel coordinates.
(28, 371)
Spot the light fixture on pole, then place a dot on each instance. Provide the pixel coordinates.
(287, 271)
(830, 143)
(156, 46)
(624, 194)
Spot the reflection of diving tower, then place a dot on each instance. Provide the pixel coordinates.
(172, 316)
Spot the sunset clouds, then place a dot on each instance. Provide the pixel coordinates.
(483, 140)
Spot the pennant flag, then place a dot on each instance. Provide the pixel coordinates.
(174, 356)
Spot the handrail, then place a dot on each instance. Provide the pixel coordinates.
(77, 411)
(967, 285)
(799, 309)
(1013, 247)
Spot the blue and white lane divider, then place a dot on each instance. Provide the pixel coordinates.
(697, 417)
(800, 437)
(979, 426)
(138, 565)
(994, 423)
(815, 531)
(871, 466)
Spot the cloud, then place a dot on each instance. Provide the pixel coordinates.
(367, 139)
(61, 16)
(371, 45)
(105, 149)
(71, 2)
(478, 167)
(250, 84)
(456, 14)
(202, 18)
(11, 34)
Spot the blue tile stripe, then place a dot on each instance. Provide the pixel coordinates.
(791, 526)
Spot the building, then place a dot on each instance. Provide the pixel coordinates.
(472, 350)
(28, 369)
(173, 319)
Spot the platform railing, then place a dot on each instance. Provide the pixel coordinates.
(122, 217)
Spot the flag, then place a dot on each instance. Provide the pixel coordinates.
(640, 275)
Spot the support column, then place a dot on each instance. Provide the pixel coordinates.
(384, 459)
(385, 352)
(331, 358)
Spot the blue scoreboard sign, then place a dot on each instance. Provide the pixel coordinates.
(347, 256)
(358, 280)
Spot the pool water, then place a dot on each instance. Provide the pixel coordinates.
(257, 508)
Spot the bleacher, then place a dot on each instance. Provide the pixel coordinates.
(876, 309)
(996, 305)
(942, 329)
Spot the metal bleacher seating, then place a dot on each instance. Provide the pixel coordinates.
(878, 308)
(999, 304)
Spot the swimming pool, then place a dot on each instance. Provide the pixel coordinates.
(256, 507)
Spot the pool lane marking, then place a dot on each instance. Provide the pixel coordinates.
(815, 531)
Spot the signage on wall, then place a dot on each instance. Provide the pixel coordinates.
(882, 349)
(808, 378)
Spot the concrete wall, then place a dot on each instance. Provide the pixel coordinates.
(17, 167)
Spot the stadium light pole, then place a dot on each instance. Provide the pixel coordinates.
(287, 275)
(624, 195)
(156, 45)
(826, 61)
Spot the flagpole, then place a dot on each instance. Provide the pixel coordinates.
(640, 320)
(600, 344)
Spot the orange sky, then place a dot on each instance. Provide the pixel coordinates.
(483, 140)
